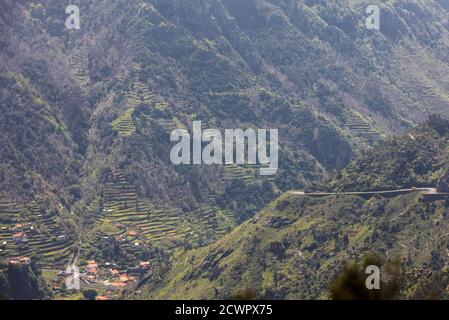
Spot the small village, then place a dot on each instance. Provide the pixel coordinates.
(28, 237)
(108, 280)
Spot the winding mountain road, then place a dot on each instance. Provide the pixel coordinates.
(430, 191)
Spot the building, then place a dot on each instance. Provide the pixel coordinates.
(92, 268)
(114, 273)
(20, 261)
(17, 227)
(91, 271)
(14, 262)
(61, 237)
(144, 265)
(124, 278)
(120, 239)
(25, 260)
(90, 278)
(133, 233)
(20, 237)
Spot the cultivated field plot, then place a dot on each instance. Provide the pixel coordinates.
(139, 93)
(135, 222)
(362, 128)
(27, 230)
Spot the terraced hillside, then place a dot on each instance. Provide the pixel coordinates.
(130, 220)
(234, 171)
(209, 223)
(360, 127)
(78, 60)
(125, 213)
(27, 231)
(140, 94)
(424, 81)
(140, 68)
(170, 124)
(414, 159)
(124, 124)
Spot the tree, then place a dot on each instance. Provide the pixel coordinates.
(350, 283)
(90, 294)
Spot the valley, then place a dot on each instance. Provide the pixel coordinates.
(86, 117)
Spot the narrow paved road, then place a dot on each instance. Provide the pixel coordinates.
(361, 193)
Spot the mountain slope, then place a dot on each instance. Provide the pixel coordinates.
(294, 248)
(415, 159)
(86, 114)
(308, 68)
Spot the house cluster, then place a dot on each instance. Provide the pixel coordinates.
(119, 280)
(22, 232)
(129, 235)
(91, 272)
(133, 233)
(20, 261)
(115, 279)
(20, 237)
(109, 280)
(16, 227)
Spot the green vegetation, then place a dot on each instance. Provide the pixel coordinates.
(417, 158)
(124, 124)
(23, 283)
(295, 247)
(85, 121)
(46, 235)
(90, 294)
(350, 284)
